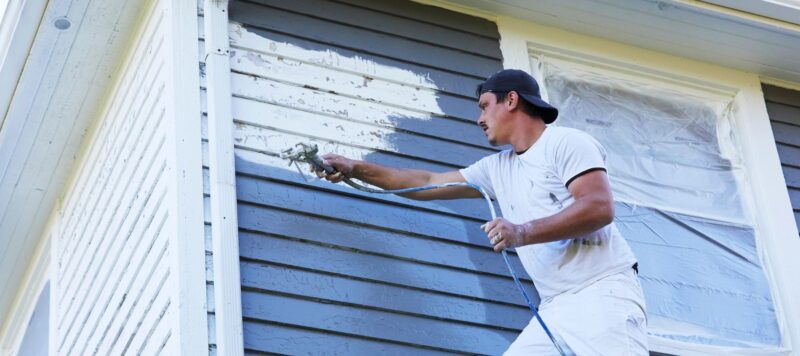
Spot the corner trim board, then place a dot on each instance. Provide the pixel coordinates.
(222, 177)
(184, 156)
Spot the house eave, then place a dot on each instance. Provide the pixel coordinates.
(700, 30)
(61, 86)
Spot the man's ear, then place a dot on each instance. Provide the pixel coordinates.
(512, 100)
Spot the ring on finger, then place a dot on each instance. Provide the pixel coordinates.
(496, 239)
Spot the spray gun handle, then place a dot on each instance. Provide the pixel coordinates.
(320, 164)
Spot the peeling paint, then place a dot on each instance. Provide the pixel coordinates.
(327, 58)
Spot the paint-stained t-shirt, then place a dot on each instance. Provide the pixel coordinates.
(534, 185)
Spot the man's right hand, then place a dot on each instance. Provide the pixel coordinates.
(344, 167)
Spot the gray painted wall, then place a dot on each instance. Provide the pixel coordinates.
(783, 106)
(327, 269)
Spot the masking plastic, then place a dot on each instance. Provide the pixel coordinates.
(681, 195)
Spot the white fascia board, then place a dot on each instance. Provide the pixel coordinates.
(783, 10)
(777, 240)
(17, 30)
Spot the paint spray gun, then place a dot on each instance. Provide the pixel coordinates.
(306, 153)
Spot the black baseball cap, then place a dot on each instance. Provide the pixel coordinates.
(523, 83)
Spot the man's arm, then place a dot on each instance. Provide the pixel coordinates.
(394, 178)
(593, 208)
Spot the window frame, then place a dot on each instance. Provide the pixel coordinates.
(772, 216)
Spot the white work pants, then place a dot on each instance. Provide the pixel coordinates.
(606, 317)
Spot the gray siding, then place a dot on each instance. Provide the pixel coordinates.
(783, 106)
(329, 269)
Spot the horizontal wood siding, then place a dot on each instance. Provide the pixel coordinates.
(783, 106)
(326, 268)
(112, 265)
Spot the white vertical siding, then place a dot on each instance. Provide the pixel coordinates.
(112, 259)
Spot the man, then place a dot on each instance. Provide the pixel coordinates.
(558, 210)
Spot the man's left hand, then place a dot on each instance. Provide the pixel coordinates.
(503, 234)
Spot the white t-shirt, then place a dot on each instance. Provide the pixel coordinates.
(533, 185)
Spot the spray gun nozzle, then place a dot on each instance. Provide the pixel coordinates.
(301, 152)
(306, 153)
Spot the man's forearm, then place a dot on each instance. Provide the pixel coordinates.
(578, 219)
(393, 178)
(389, 178)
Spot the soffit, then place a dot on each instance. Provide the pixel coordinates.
(693, 29)
(63, 85)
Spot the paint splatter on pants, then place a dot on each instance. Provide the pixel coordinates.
(605, 318)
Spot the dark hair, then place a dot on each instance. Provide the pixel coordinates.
(501, 96)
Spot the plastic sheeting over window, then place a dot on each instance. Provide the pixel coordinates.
(682, 202)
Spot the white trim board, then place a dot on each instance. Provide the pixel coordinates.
(224, 221)
(776, 232)
(184, 171)
(781, 83)
(768, 11)
(18, 27)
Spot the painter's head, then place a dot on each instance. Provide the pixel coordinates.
(508, 80)
(505, 91)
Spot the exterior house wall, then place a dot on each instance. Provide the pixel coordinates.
(112, 272)
(330, 269)
(286, 93)
(324, 268)
(783, 106)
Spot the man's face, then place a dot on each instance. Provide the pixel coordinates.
(492, 118)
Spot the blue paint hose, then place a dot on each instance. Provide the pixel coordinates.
(308, 154)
